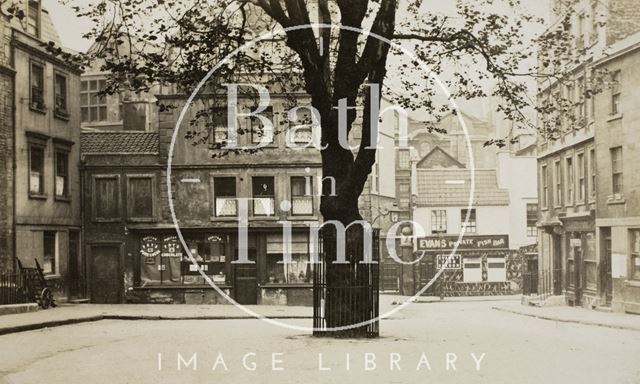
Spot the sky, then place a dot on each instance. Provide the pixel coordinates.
(71, 27)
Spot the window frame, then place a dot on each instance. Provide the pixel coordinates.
(615, 93)
(634, 254)
(544, 176)
(90, 105)
(66, 196)
(310, 195)
(37, 105)
(617, 172)
(38, 18)
(592, 171)
(472, 225)
(218, 128)
(39, 141)
(129, 197)
(439, 216)
(94, 197)
(557, 183)
(581, 178)
(56, 253)
(401, 164)
(254, 122)
(61, 113)
(532, 230)
(214, 195)
(569, 180)
(254, 197)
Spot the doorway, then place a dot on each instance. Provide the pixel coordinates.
(77, 282)
(605, 266)
(106, 281)
(246, 280)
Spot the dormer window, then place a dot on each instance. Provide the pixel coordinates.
(33, 18)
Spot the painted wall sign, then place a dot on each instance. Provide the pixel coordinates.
(437, 243)
(454, 262)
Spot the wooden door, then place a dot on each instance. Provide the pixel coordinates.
(246, 280)
(605, 266)
(106, 281)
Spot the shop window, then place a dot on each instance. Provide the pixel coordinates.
(471, 225)
(37, 86)
(298, 271)
(635, 254)
(93, 104)
(439, 221)
(302, 195)
(616, 170)
(224, 191)
(60, 95)
(62, 174)
(106, 198)
(50, 253)
(258, 129)
(263, 196)
(36, 170)
(210, 253)
(140, 196)
(472, 270)
(496, 269)
(532, 219)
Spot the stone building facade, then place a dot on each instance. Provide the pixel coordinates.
(45, 153)
(574, 259)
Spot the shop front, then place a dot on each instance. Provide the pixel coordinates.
(480, 265)
(581, 263)
(164, 273)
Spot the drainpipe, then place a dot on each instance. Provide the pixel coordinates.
(14, 165)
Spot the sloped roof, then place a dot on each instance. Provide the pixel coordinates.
(443, 158)
(127, 142)
(451, 187)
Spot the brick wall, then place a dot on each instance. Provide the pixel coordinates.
(623, 20)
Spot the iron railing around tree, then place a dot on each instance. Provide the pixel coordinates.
(346, 294)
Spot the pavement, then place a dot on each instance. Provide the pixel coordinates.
(576, 315)
(456, 341)
(66, 314)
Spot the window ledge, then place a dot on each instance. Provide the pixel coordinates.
(301, 217)
(63, 199)
(37, 196)
(269, 218)
(104, 220)
(286, 285)
(615, 199)
(42, 110)
(224, 218)
(141, 219)
(613, 117)
(632, 283)
(61, 115)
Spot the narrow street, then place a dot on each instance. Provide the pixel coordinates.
(517, 349)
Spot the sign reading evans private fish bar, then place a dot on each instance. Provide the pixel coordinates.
(437, 243)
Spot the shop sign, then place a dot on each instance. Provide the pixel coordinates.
(436, 243)
(149, 249)
(454, 262)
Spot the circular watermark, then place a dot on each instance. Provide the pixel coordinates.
(286, 204)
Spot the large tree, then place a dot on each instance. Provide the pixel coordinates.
(482, 50)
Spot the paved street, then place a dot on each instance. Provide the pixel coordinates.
(517, 349)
